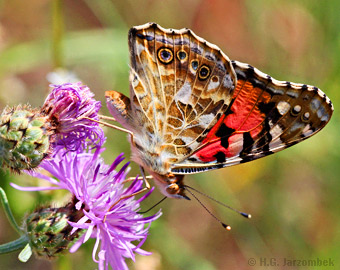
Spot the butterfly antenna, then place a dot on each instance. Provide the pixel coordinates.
(220, 203)
(225, 226)
(152, 207)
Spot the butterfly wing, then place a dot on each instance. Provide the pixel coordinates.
(180, 86)
(265, 116)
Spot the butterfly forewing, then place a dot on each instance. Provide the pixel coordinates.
(181, 84)
(265, 116)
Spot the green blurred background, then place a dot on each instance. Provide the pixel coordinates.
(293, 196)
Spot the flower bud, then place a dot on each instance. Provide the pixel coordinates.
(49, 232)
(24, 138)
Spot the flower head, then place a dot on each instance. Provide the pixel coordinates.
(69, 106)
(109, 208)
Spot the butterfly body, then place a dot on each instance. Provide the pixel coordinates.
(192, 109)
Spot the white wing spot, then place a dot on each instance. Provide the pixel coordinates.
(307, 131)
(322, 114)
(283, 107)
(184, 94)
(227, 82)
(214, 83)
(315, 104)
(206, 119)
(275, 131)
(297, 108)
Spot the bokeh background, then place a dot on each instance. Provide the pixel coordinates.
(293, 196)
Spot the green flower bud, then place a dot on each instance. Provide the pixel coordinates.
(49, 232)
(25, 138)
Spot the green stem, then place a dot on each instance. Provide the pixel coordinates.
(57, 32)
(8, 211)
(14, 245)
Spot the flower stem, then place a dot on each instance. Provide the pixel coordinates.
(8, 211)
(57, 32)
(14, 245)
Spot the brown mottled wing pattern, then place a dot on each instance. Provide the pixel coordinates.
(180, 86)
(265, 116)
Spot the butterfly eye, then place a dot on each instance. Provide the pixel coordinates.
(182, 55)
(172, 188)
(194, 64)
(204, 72)
(165, 55)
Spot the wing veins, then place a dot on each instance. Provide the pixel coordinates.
(154, 123)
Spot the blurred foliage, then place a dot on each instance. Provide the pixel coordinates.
(293, 196)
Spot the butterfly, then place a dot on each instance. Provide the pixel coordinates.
(192, 109)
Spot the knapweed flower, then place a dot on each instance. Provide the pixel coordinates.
(69, 106)
(109, 208)
(29, 135)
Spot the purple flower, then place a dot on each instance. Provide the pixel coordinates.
(110, 212)
(67, 106)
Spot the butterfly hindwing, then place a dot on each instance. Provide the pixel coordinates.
(264, 117)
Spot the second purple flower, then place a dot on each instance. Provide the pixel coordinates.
(109, 210)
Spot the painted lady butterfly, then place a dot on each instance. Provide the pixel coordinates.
(191, 109)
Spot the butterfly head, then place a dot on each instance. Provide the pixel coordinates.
(171, 185)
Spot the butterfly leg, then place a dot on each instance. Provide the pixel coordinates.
(111, 126)
(104, 117)
(147, 184)
(148, 177)
(146, 188)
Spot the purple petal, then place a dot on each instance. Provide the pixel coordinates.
(32, 188)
